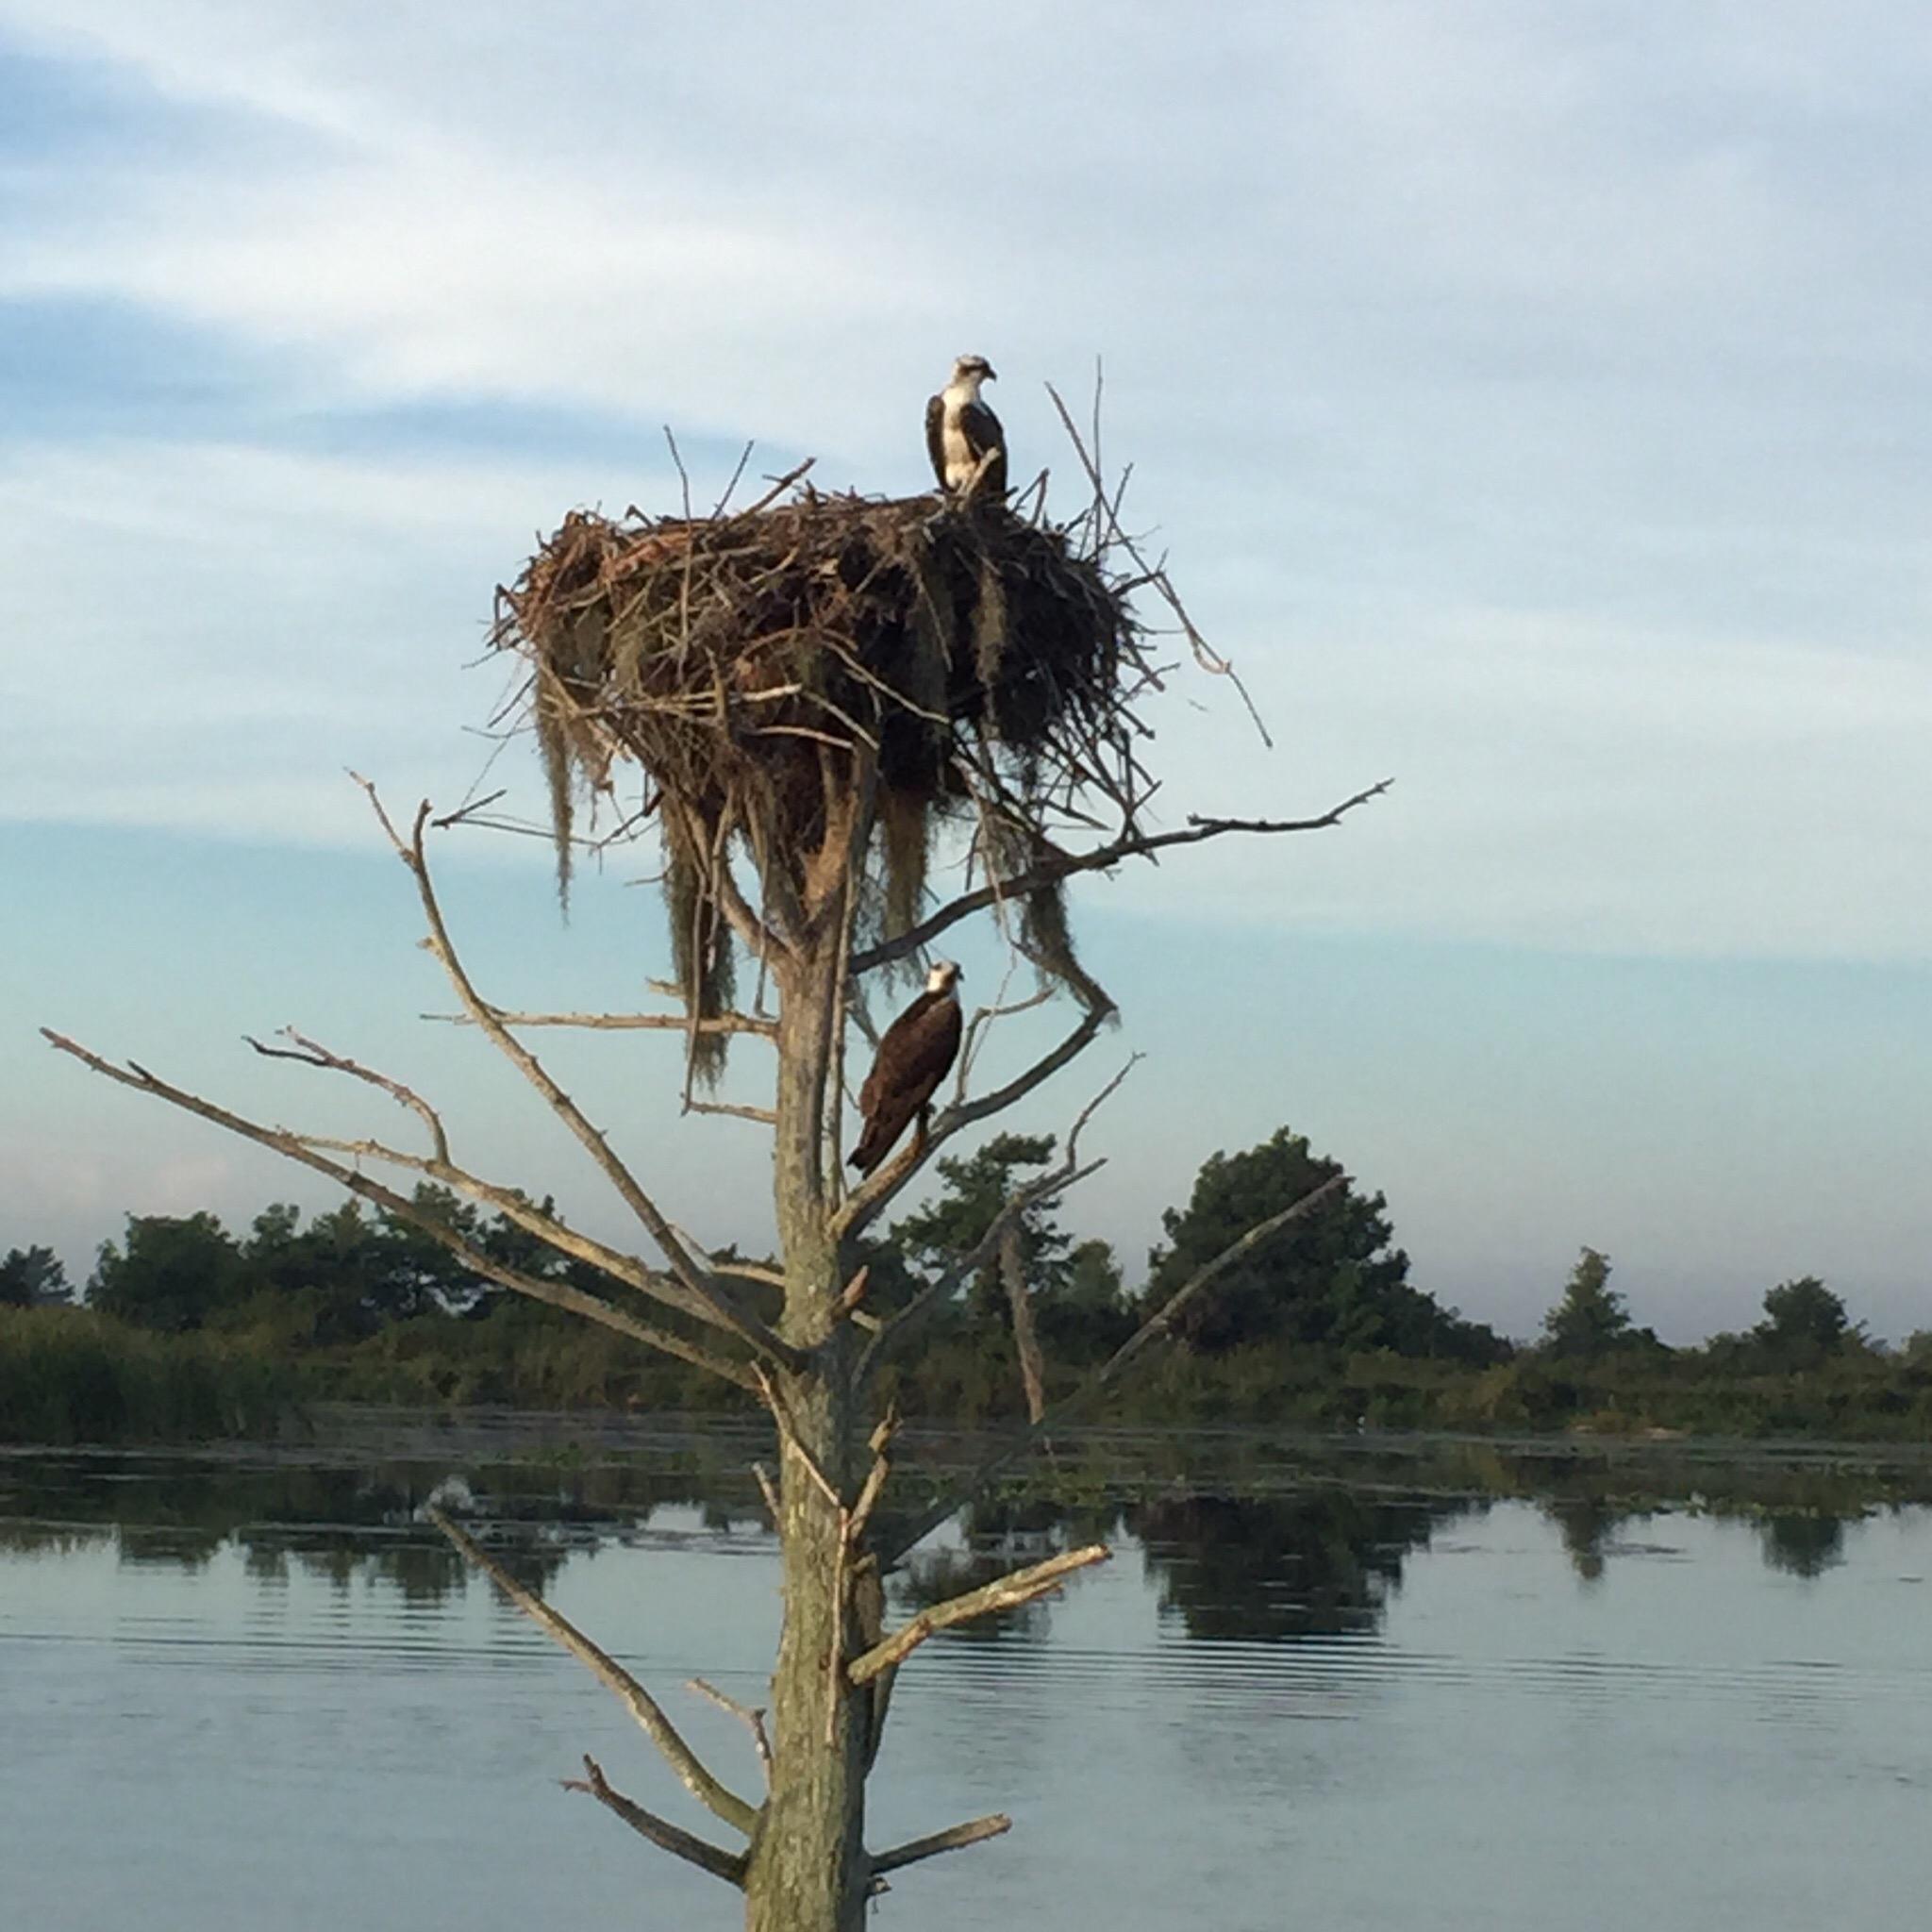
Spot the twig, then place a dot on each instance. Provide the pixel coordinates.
(465, 813)
(310, 1054)
(753, 1719)
(733, 1110)
(1003, 1593)
(743, 458)
(774, 1401)
(729, 1866)
(1107, 530)
(1026, 1336)
(769, 1491)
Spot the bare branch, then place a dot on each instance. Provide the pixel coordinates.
(1130, 844)
(312, 1054)
(733, 1110)
(514, 1206)
(954, 1838)
(624, 1023)
(1106, 530)
(692, 1774)
(753, 1719)
(1103, 1379)
(769, 1490)
(667, 1837)
(969, 1265)
(1041, 1189)
(715, 1304)
(305, 1151)
(788, 1439)
(743, 458)
(1025, 1335)
(1003, 1593)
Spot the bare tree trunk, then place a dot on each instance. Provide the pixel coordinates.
(808, 1870)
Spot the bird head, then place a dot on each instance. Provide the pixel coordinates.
(944, 975)
(974, 369)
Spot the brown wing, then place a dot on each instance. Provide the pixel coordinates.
(983, 433)
(936, 437)
(914, 1056)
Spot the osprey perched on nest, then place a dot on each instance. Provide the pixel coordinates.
(960, 430)
(915, 1055)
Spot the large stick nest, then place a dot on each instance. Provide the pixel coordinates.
(765, 667)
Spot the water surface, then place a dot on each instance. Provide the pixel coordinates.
(244, 1695)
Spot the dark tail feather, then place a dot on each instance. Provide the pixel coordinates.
(881, 1130)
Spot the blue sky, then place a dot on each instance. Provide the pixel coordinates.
(1534, 401)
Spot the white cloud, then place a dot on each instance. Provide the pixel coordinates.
(1534, 404)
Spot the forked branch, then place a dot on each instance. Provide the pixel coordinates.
(695, 1777)
(715, 1303)
(307, 1152)
(314, 1054)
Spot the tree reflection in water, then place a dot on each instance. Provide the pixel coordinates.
(1803, 1543)
(1322, 1562)
(1307, 1557)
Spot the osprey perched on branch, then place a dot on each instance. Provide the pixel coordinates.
(916, 1054)
(961, 433)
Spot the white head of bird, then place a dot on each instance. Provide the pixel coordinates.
(969, 371)
(943, 976)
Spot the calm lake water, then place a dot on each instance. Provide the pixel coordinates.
(1361, 1691)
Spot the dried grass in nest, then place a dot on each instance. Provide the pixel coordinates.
(748, 662)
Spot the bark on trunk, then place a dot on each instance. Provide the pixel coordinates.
(808, 1870)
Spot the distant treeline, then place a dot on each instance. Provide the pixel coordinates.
(190, 1330)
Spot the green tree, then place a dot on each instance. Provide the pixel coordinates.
(1592, 1319)
(32, 1277)
(1089, 1314)
(977, 1186)
(1805, 1323)
(173, 1273)
(1075, 1291)
(1330, 1280)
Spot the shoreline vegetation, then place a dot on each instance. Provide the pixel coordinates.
(190, 1332)
(78, 1376)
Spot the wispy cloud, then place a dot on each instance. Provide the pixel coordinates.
(1535, 401)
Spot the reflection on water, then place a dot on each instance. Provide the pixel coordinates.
(1319, 1564)
(1465, 1689)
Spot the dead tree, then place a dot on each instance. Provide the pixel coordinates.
(812, 690)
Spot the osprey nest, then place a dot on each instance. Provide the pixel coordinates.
(798, 677)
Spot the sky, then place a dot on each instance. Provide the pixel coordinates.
(1533, 402)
